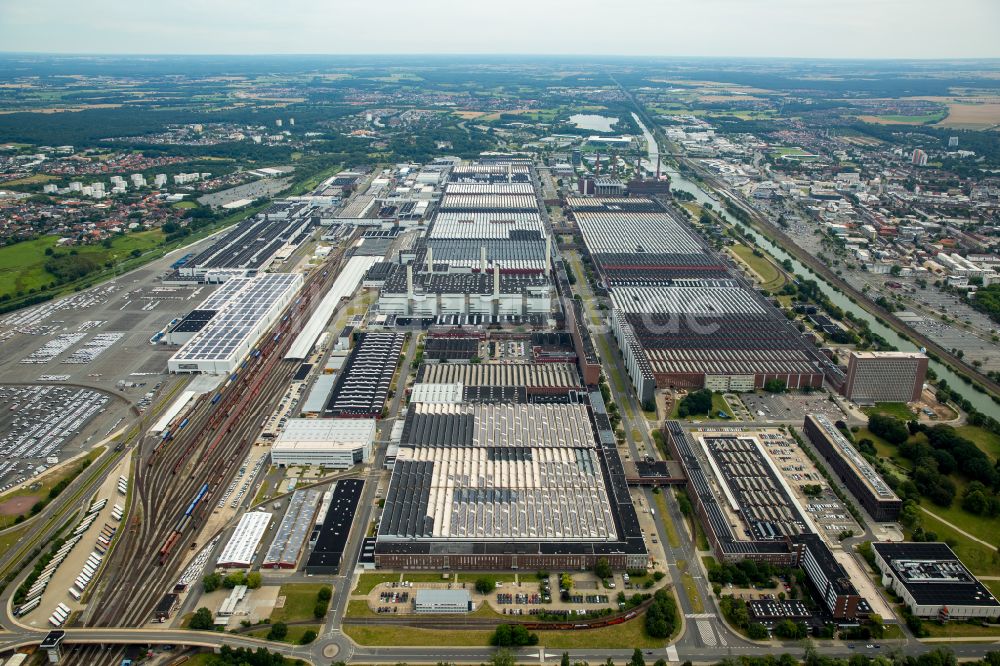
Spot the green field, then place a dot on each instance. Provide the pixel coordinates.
(22, 266)
(719, 404)
(896, 409)
(672, 537)
(980, 559)
(988, 442)
(294, 635)
(771, 278)
(623, 636)
(300, 599)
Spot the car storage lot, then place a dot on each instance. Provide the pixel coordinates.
(66, 360)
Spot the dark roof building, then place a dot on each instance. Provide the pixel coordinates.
(933, 582)
(328, 551)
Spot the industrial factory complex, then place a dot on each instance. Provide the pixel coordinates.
(682, 317)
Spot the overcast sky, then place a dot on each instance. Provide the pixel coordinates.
(801, 28)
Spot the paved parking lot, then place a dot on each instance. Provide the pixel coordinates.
(780, 407)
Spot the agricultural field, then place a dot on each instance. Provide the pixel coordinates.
(972, 116)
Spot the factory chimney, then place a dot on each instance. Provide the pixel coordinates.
(496, 281)
(657, 166)
(597, 166)
(548, 253)
(510, 173)
(482, 259)
(430, 259)
(409, 281)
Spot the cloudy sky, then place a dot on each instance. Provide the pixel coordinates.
(802, 28)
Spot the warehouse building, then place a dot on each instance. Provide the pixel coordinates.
(681, 316)
(525, 252)
(293, 530)
(363, 385)
(239, 551)
(424, 294)
(487, 225)
(870, 489)
(331, 443)
(537, 378)
(499, 486)
(885, 376)
(710, 334)
(451, 349)
(483, 188)
(331, 539)
(248, 310)
(933, 582)
(251, 246)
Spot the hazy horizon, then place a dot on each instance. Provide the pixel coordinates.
(810, 29)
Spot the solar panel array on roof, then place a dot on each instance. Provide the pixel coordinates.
(498, 472)
(488, 202)
(239, 322)
(253, 243)
(636, 232)
(363, 385)
(490, 188)
(484, 225)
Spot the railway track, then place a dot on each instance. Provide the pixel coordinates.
(170, 473)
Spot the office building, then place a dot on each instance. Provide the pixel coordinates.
(885, 376)
(870, 489)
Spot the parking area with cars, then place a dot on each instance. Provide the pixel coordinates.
(43, 424)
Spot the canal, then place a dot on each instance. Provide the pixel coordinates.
(981, 401)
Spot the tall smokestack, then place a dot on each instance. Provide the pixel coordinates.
(597, 166)
(482, 259)
(430, 259)
(496, 280)
(510, 173)
(409, 281)
(657, 166)
(548, 253)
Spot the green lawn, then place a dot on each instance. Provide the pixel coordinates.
(955, 629)
(987, 441)
(980, 559)
(884, 448)
(368, 581)
(982, 527)
(300, 600)
(692, 592)
(719, 404)
(622, 636)
(897, 409)
(294, 635)
(771, 278)
(672, 537)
